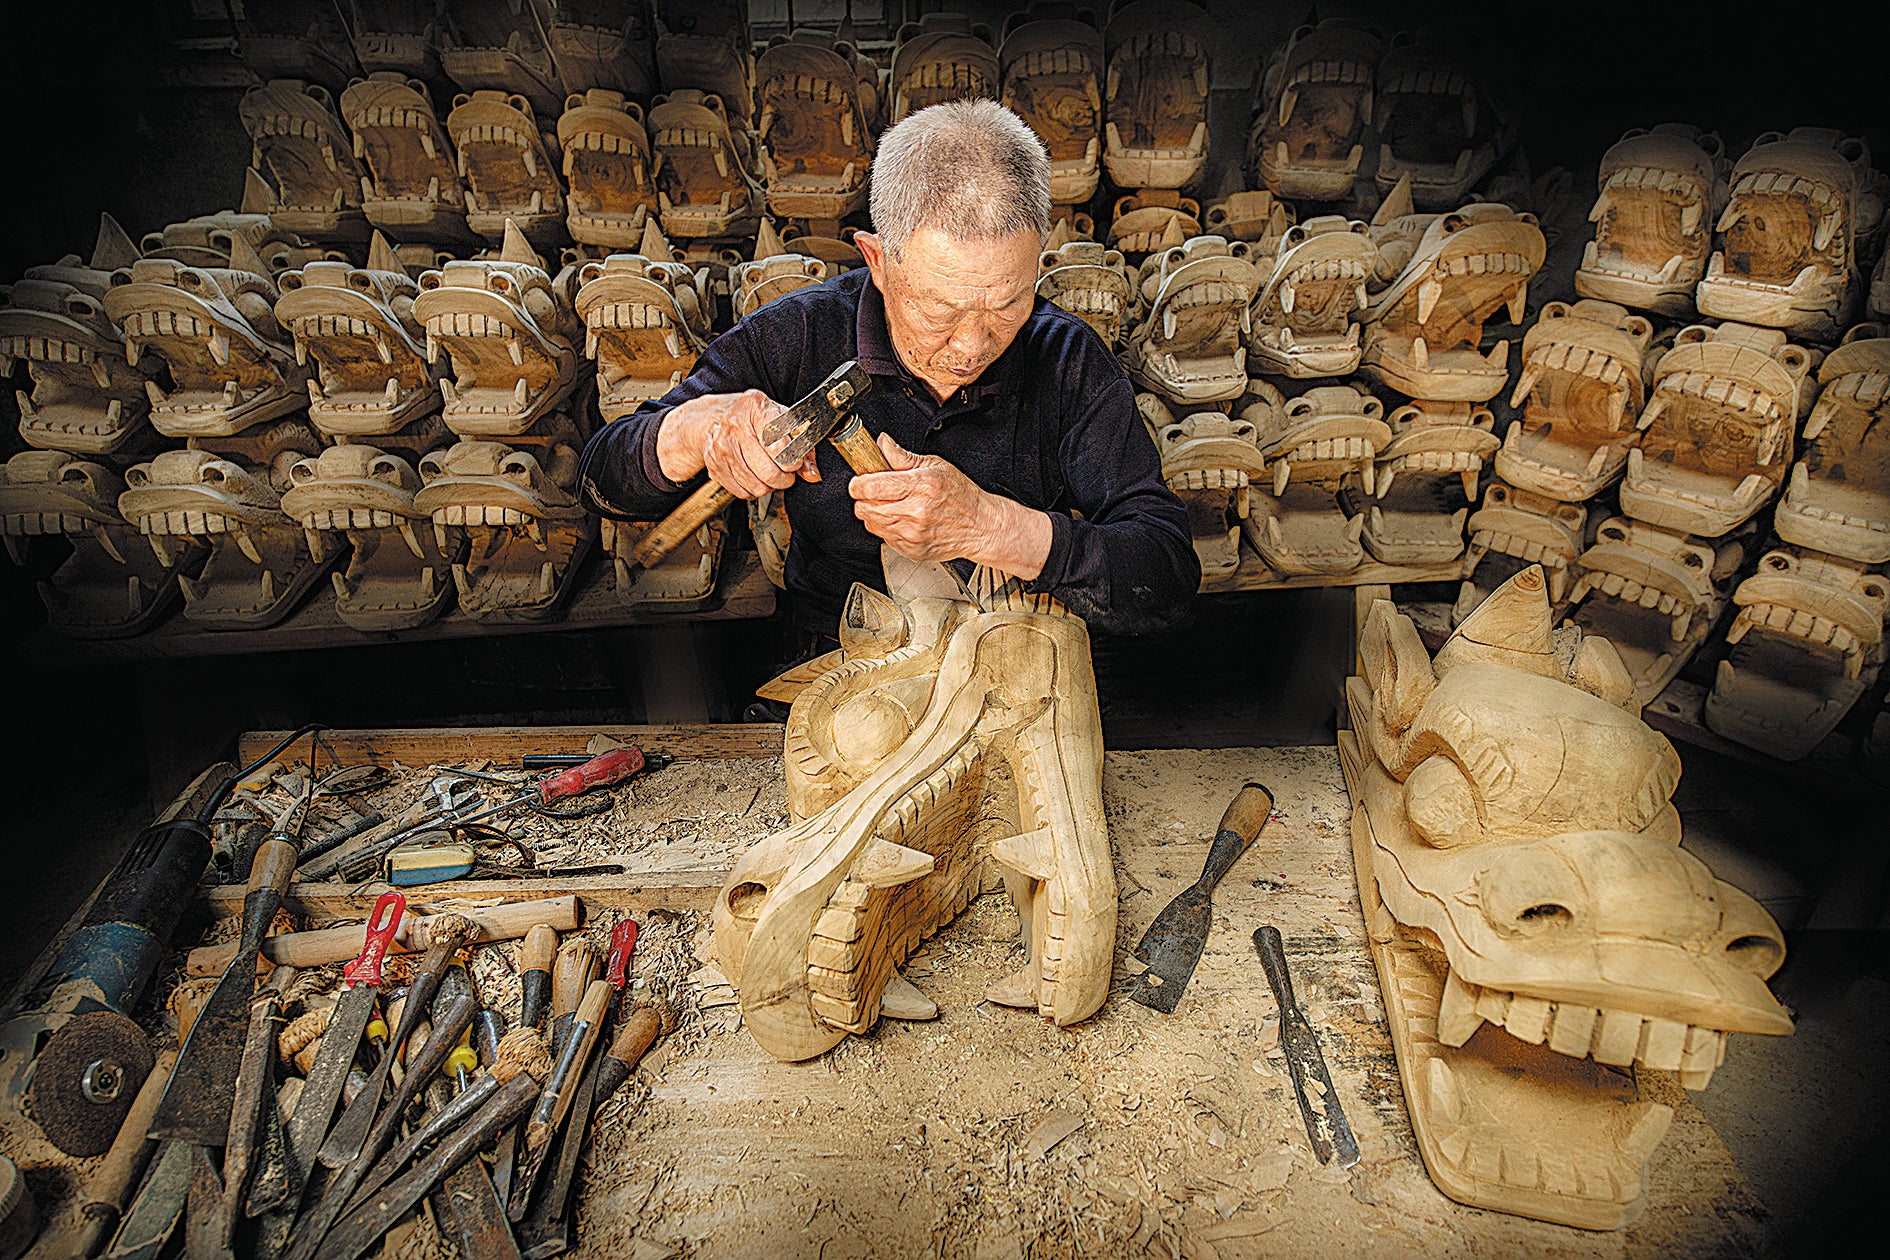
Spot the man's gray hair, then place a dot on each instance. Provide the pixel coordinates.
(972, 168)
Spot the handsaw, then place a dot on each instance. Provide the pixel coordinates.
(1172, 945)
(1326, 1125)
(197, 1100)
(789, 437)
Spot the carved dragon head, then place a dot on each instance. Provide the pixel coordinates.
(1198, 297)
(1311, 108)
(938, 737)
(1661, 190)
(1088, 280)
(646, 318)
(1519, 817)
(371, 374)
(512, 336)
(1837, 499)
(1302, 319)
(85, 396)
(1584, 381)
(1717, 429)
(217, 330)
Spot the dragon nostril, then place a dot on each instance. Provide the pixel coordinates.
(744, 899)
(1548, 910)
(1759, 954)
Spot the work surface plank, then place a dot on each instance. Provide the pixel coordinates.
(916, 1139)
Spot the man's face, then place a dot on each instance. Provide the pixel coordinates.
(954, 306)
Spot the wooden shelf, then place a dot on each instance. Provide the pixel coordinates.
(742, 591)
(1254, 575)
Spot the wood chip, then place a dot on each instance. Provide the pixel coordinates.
(1050, 1130)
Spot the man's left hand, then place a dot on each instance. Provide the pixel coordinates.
(926, 509)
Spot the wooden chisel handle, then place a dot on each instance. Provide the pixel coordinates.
(534, 974)
(667, 534)
(857, 447)
(1244, 818)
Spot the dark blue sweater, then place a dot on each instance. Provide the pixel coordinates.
(1052, 423)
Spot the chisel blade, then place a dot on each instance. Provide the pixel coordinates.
(322, 1090)
(1326, 1126)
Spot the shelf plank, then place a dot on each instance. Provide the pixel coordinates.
(450, 745)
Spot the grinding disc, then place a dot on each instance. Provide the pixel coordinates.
(85, 1079)
(19, 1219)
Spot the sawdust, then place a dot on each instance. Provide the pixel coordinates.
(1180, 1134)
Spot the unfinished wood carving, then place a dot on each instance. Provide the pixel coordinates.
(508, 166)
(113, 584)
(397, 37)
(646, 319)
(1586, 369)
(206, 240)
(1302, 323)
(299, 144)
(1515, 528)
(774, 272)
(1091, 281)
(230, 363)
(1310, 110)
(1197, 298)
(1879, 302)
(1424, 333)
(607, 161)
(372, 374)
(1806, 644)
(1653, 593)
(1540, 934)
(814, 126)
(512, 335)
(1153, 219)
(496, 46)
(83, 397)
(1716, 440)
(603, 45)
(1259, 218)
(1156, 95)
(1787, 252)
(685, 578)
(705, 45)
(411, 190)
(526, 531)
(260, 563)
(948, 747)
(1313, 445)
(838, 252)
(1837, 499)
(1662, 190)
(295, 39)
(941, 57)
(1051, 69)
(1436, 125)
(708, 175)
(399, 570)
(1425, 481)
(1208, 459)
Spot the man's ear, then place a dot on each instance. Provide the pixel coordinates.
(873, 251)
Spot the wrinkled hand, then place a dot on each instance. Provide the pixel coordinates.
(926, 509)
(722, 433)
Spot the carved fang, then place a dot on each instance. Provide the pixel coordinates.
(887, 865)
(1531, 375)
(1031, 853)
(1428, 293)
(1282, 474)
(1457, 1016)
(1519, 304)
(412, 539)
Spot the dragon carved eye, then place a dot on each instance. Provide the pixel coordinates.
(1441, 804)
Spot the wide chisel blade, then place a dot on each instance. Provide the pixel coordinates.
(1172, 945)
(342, 1038)
(1326, 1125)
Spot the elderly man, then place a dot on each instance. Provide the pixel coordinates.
(1011, 429)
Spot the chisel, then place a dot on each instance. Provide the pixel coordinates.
(577, 966)
(361, 984)
(1173, 943)
(1326, 1127)
(196, 1103)
(449, 933)
(534, 975)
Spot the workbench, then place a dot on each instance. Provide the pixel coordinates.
(990, 1133)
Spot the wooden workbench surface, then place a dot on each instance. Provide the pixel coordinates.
(925, 1139)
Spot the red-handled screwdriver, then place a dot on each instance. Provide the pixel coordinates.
(603, 770)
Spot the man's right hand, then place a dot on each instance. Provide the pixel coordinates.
(722, 433)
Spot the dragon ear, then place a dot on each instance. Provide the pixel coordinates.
(872, 625)
(1598, 670)
(1396, 666)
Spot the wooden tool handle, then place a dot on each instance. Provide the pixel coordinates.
(596, 1001)
(858, 448)
(541, 946)
(633, 1041)
(1239, 825)
(667, 534)
(576, 968)
(272, 866)
(339, 944)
